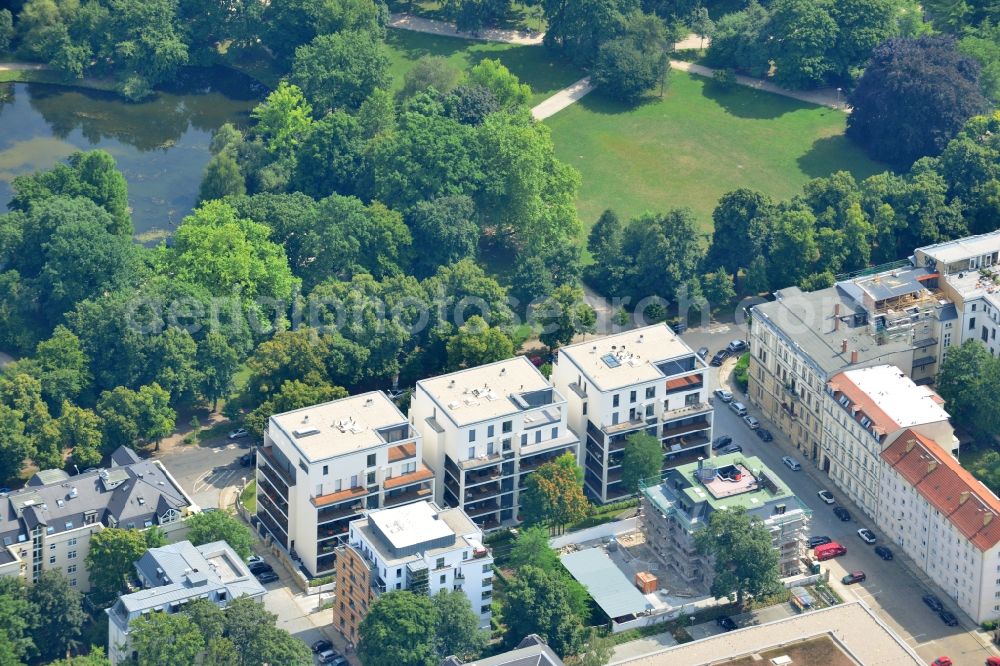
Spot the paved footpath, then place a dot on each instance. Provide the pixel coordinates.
(419, 24)
(562, 99)
(20, 66)
(824, 97)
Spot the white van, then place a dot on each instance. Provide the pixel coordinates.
(739, 408)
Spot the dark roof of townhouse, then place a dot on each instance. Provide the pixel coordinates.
(531, 651)
(131, 493)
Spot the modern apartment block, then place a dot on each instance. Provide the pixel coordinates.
(48, 523)
(485, 429)
(866, 410)
(946, 520)
(674, 511)
(969, 275)
(320, 467)
(172, 576)
(799, 341)
(418, 547)
(645, 380)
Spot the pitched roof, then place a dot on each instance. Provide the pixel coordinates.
(947, 486)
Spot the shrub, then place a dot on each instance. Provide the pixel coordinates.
(724, 79)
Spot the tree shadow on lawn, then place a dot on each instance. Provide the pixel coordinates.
(598, 102)
(838, 153)
(745, 102)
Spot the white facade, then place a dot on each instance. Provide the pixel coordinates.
(645, 380)
(322, 466)
(422, 548)
(485, 429)
(945, 520)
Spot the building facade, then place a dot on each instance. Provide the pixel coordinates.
(865, 411)
(945, 519)
(172, 576)
(642, 381)
(674, 511)
(485, 429)
(418, 547)
(322, 466)
(48, 523)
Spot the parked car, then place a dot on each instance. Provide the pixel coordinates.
(842, 513)
(853, 577)
(826, 496)
(866, 535)
(720, 441)
(883, 552)
(828, 551)
(764, 434)
(267, 577)
(259, 567)
(738, 407)
(819, 540)
(733, 448)
(946, 661)
(737, 346)
(322, 645)
(933, 603)
(791, 463)
(253, 559)
(246, 460)
(726, 623)
(992, 661)
(719, 357)
(751, 421)
(948, 617)
(331, 657)
(239, 433)
(702, 352)
(723, 395)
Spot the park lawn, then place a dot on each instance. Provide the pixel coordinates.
(522, 15)
(696, 144)
(532, 64)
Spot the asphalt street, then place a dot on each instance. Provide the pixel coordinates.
(206, 468)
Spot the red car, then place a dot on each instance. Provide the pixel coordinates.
(992, 661)
(942, 661)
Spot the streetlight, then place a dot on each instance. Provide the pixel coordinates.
(839, 90)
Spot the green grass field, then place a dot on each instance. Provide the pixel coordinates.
(531, 64)
(697, 144)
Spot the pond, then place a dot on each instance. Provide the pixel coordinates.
(161, 145)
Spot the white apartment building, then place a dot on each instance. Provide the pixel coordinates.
(172, 576)
(418, 547)
(485, 429)
(321, 466)
(943, 518)
(866, 410)
(645, 380)
(48, 523)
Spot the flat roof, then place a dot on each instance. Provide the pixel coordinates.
(614, 593)
(409, 525)
(753, 492)
(628, 358)
(340, 426)
(485, 391)
(889, 398)
(893, 284)
(807, 320)
(963, 248)
(852, 626)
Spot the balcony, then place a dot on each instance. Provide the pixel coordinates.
(420, 492)
(481, 461)
(685, 428)
(482, 508)
(485, 476)
(532, 463)
(279, 518)
(416, 476)
(632, 424)
(339, 512)
(402, 452)
(272, 526)
(333, 531)
(264, 490)
(273, 478)
(338, 497)
(684, 384)
(924, 361)
(924, 342)
(283, 475)
(695, 441)
(687, 410)
(683, 458)
(595, 432)
(480, 492)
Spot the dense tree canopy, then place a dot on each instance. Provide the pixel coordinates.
(111, 559)
(745, 562)
(554, 494)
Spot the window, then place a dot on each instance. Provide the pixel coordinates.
(973, 307)
(506, 426)
(440, 563)
(947, 339)
(443, 579)
(584, 409)
(524, 439)
(472, 435)
(972, 324)
(615, 400)
(399, 572)
(71, 555)
(72, 582)
(326, 470)
(691, 399)
(337, 486)
(489, 430)
(486, 609)
(538, 436)
(632, 396)
(354, 480)
(649, 410)
(319, 489)
(489, 448)
(650, 392)
(472, 452)
(985, 335)
(555, 432)
(71, 542)
(487, 594)
(52, 559)
(371, 459)
(487, 568)
(371, 478)
(71, 569)
(52, 546)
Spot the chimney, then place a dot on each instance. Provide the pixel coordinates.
(843, 345)
(910, 443)
(854, 357)
(836, 323)
(987, 519)
(836, 309)
(931, 466)
(701, 463)
(963, 497)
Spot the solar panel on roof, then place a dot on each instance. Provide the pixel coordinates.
(611, 360)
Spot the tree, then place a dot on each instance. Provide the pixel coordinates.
(731, 228)
(6, 30)
(339, 71)
(577, 28)
(15, 445)
(532, 548)
(554, 494)
(702, 24)
(399, 629)
(457, 630)
(218, 363)
(222, 178)
(744, 560)
(598, 649)
(63, 367)
(629, 66)
(470, 103)
(251, 629)
(81, 431)
(804, 31)
(112, 556)
(283, 120)
(507, 89)
(663, 251)
(291, 395)
(718, 288)
(739, 41)
(563, 315)
(17, 618)
(444, 232)
(429, 72)
(94, 658)
(60, 614)
(538, 604)
(756, 280)
(220, 526)
(172, 364)
(913, 98)
(642, 460)
(478, 343)
(165, 639)
(605, 245)
(964, 383)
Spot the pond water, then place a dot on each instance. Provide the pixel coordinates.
(161, 145)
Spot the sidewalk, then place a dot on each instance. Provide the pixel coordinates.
(418, 24)
(562, 99)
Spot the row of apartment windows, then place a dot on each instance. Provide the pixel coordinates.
(505, 427)
(633, 396)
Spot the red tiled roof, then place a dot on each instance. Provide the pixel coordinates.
(861, 401)
(947, 486)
